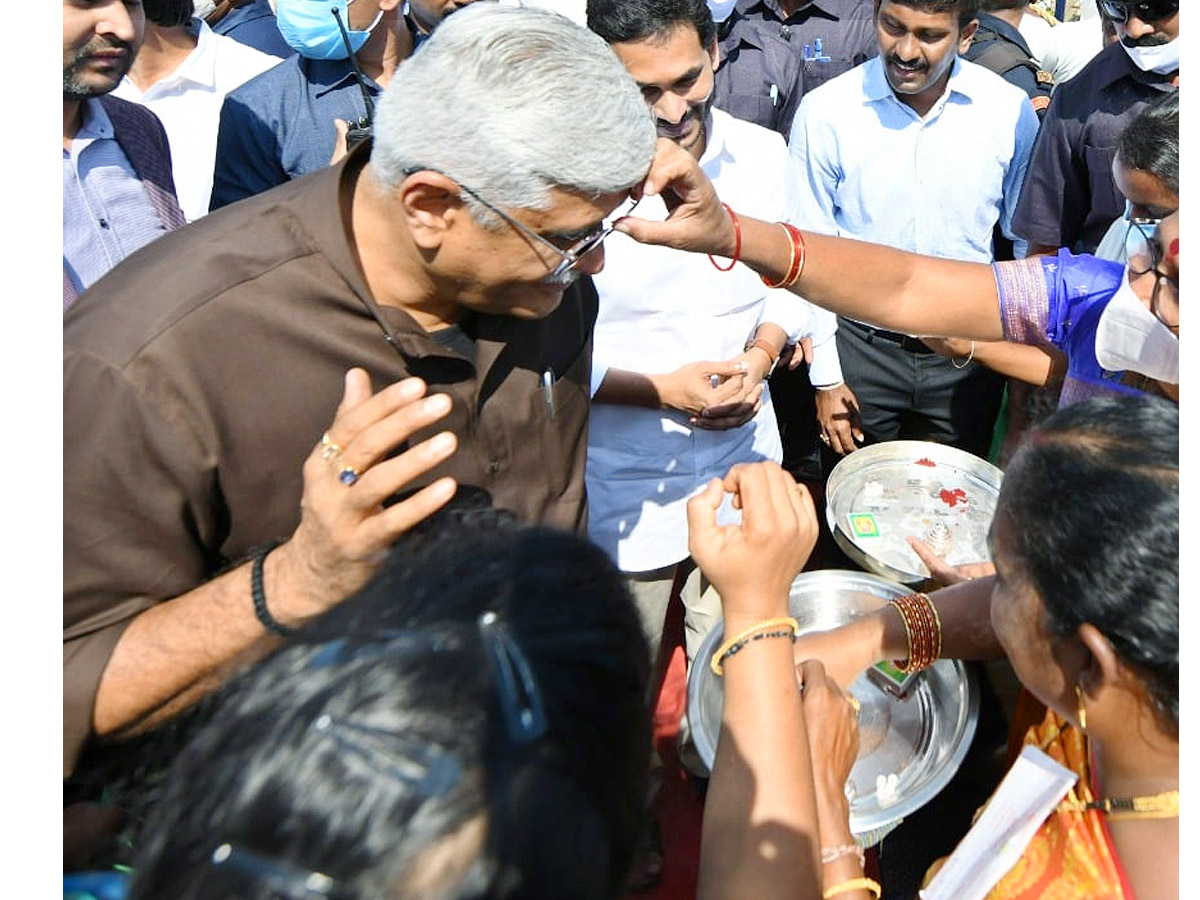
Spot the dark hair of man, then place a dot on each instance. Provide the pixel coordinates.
(1092, 498)
(993, 5)
(967, 9)
(1151, 141)
(619, 21)
(169, 13)
(319, 759)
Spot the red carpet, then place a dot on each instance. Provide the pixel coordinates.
(678, 806)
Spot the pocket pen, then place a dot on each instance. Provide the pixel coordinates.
(548, 391)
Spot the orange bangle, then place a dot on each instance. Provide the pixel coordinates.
(795, 259)
(801, 251)
(737, 242)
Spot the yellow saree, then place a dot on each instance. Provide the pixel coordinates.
(1071, 857)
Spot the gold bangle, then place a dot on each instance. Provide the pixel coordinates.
(739, 640)
(854, 884)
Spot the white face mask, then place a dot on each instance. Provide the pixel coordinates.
(1161, 58)
(721, 9)
(1130, 338)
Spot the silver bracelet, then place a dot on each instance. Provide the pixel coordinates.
(829, 854)
(966, 362)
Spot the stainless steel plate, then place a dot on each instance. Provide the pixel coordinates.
(920, 739)
(880, 495)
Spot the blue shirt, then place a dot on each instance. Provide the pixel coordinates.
(936, 185)
(279, 125)
(1058, 300)
(107, 213)
(254, 25)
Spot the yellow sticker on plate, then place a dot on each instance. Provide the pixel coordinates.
(864, 525)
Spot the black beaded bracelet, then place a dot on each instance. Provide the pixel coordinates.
(259, 595)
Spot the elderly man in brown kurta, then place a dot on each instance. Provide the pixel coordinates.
(248, 380)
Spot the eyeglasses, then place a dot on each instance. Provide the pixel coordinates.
(1146, 10)
(1143, 253)
(571, 256)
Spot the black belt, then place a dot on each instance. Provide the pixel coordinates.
(871, 334)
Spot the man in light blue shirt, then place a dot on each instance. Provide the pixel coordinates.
(118, 190)
(922, 151)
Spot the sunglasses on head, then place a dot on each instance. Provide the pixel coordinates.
(1146, 10)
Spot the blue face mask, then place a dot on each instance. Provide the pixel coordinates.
(311, 30)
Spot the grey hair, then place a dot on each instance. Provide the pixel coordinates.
(511, 102)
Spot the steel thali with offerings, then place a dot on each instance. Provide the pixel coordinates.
(909, 747)
(880, 495)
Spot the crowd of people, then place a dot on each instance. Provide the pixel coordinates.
(419, 355)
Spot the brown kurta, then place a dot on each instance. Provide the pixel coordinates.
(200, 373)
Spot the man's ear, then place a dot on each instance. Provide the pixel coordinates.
(967, 35)
(431, 204)
(714, 53)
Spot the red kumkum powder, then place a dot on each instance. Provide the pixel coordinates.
(952, 498)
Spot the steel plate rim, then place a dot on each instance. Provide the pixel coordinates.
(896, 451)
(968, 722)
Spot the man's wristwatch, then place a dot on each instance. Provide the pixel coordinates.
(772, 355)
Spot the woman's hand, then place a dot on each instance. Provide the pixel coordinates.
(945, 574)
(697, 221)
(752, 564)
(831, 720)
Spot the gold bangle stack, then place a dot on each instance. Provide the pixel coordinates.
(923, 628)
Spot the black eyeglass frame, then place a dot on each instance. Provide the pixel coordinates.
(1154, 246)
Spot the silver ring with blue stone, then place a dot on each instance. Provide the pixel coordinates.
(348, 475)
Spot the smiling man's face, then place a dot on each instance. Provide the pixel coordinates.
(675, 72)
(917, 49)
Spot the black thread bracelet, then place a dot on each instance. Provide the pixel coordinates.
(259, 595)
(783, 632)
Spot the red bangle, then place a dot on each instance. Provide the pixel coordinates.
(795, 260)
(799, 246)
(737, 242)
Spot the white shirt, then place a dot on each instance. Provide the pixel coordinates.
(661, 309)
(1065, 48)
(188, 102)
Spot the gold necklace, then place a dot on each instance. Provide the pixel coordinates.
(1147, 806)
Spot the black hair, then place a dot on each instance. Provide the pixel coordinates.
(967, 9)
(994, 5)
(169, 13)
(1151, 141)
(619, 21)
(1092, 498)
(372, 749)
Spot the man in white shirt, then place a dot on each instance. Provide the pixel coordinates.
(682, 348)
(921, 150)
(182, 73)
